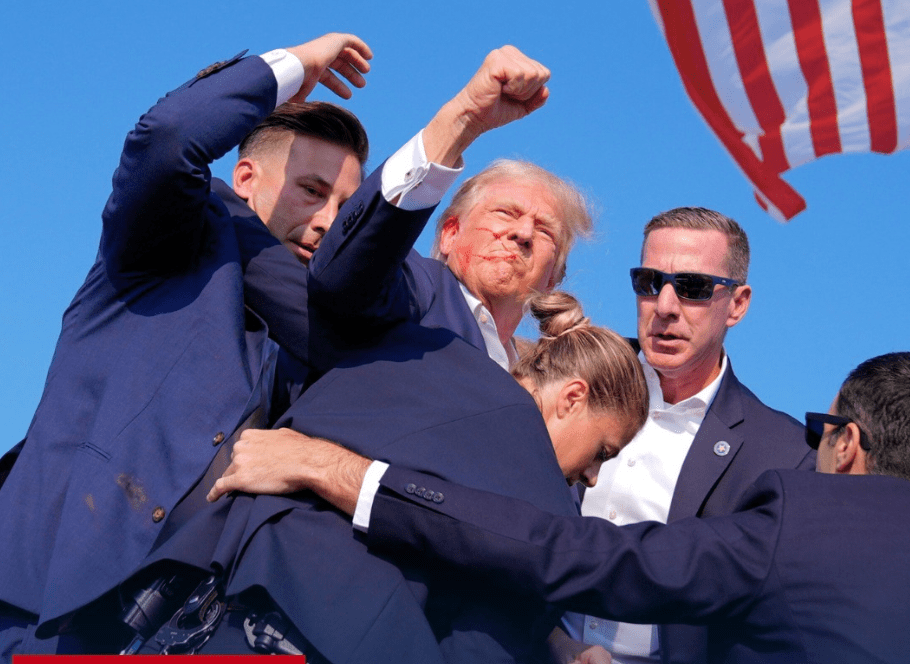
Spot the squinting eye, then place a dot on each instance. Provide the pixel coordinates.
(546, 231)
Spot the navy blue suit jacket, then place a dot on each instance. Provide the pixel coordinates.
(710, 484)
(757, 438)
(811, 568)
(425, 398)
(159, 359)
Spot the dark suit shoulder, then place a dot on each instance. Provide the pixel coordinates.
(781, 437)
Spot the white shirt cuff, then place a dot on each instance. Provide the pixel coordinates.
(367, 493)
(288, 72)
(417, 183)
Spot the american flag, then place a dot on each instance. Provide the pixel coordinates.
(783, 82)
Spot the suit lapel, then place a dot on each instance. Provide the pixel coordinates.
(441, 302)
(715, 446)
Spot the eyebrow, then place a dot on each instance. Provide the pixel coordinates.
(513, 206)
(312, 177)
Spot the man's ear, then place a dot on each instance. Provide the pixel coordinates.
(742, 296)
(850, 457)
(573, 397)
(554, 279)
(243, 177)
(447, 235)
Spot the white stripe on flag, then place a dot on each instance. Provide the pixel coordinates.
(843, 58)
(713, 29)
(897, 29)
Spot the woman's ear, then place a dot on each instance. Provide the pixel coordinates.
(572, 397)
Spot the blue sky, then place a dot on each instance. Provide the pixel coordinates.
(77, 76)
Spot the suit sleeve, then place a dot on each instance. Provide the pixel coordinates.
(693, 571)
(154, 219)
(356, 284)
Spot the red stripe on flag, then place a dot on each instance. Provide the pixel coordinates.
(813, 60)
(681, 31)
(873, 56)
(753, 68)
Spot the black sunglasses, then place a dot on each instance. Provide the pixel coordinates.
(694, 286)
(815, 428)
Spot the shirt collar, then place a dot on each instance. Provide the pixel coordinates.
(702, 399)
(487, 325)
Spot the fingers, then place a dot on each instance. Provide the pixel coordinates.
(352, 66)
(521, 77)
(355, 62)
(347, 54)
(333, 83)
(508, 86)
(222, 486)
(356, 51)
(538, 100)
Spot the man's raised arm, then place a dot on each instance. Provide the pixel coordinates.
(508, 86)
(153, 218)
(356, 275)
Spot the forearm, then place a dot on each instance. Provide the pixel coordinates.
(341, 479)
(647, 572)
(449, 134)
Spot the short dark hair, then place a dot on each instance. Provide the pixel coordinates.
(703, 219)
(318, 119)
(876, 395)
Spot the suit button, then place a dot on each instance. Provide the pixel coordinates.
(218, 439)
(158, 514)
(411, 488)
(429, 495)
(438, 497)
(420, 491)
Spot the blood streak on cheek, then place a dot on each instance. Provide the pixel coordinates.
(496, 236)
(464, 257)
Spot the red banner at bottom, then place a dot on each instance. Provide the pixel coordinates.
(110, 659)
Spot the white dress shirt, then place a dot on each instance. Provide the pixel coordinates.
(638, 485)
(503, 354)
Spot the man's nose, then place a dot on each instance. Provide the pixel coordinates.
(667, 301)
(589, 476)
(521, 231)
(322, 220)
